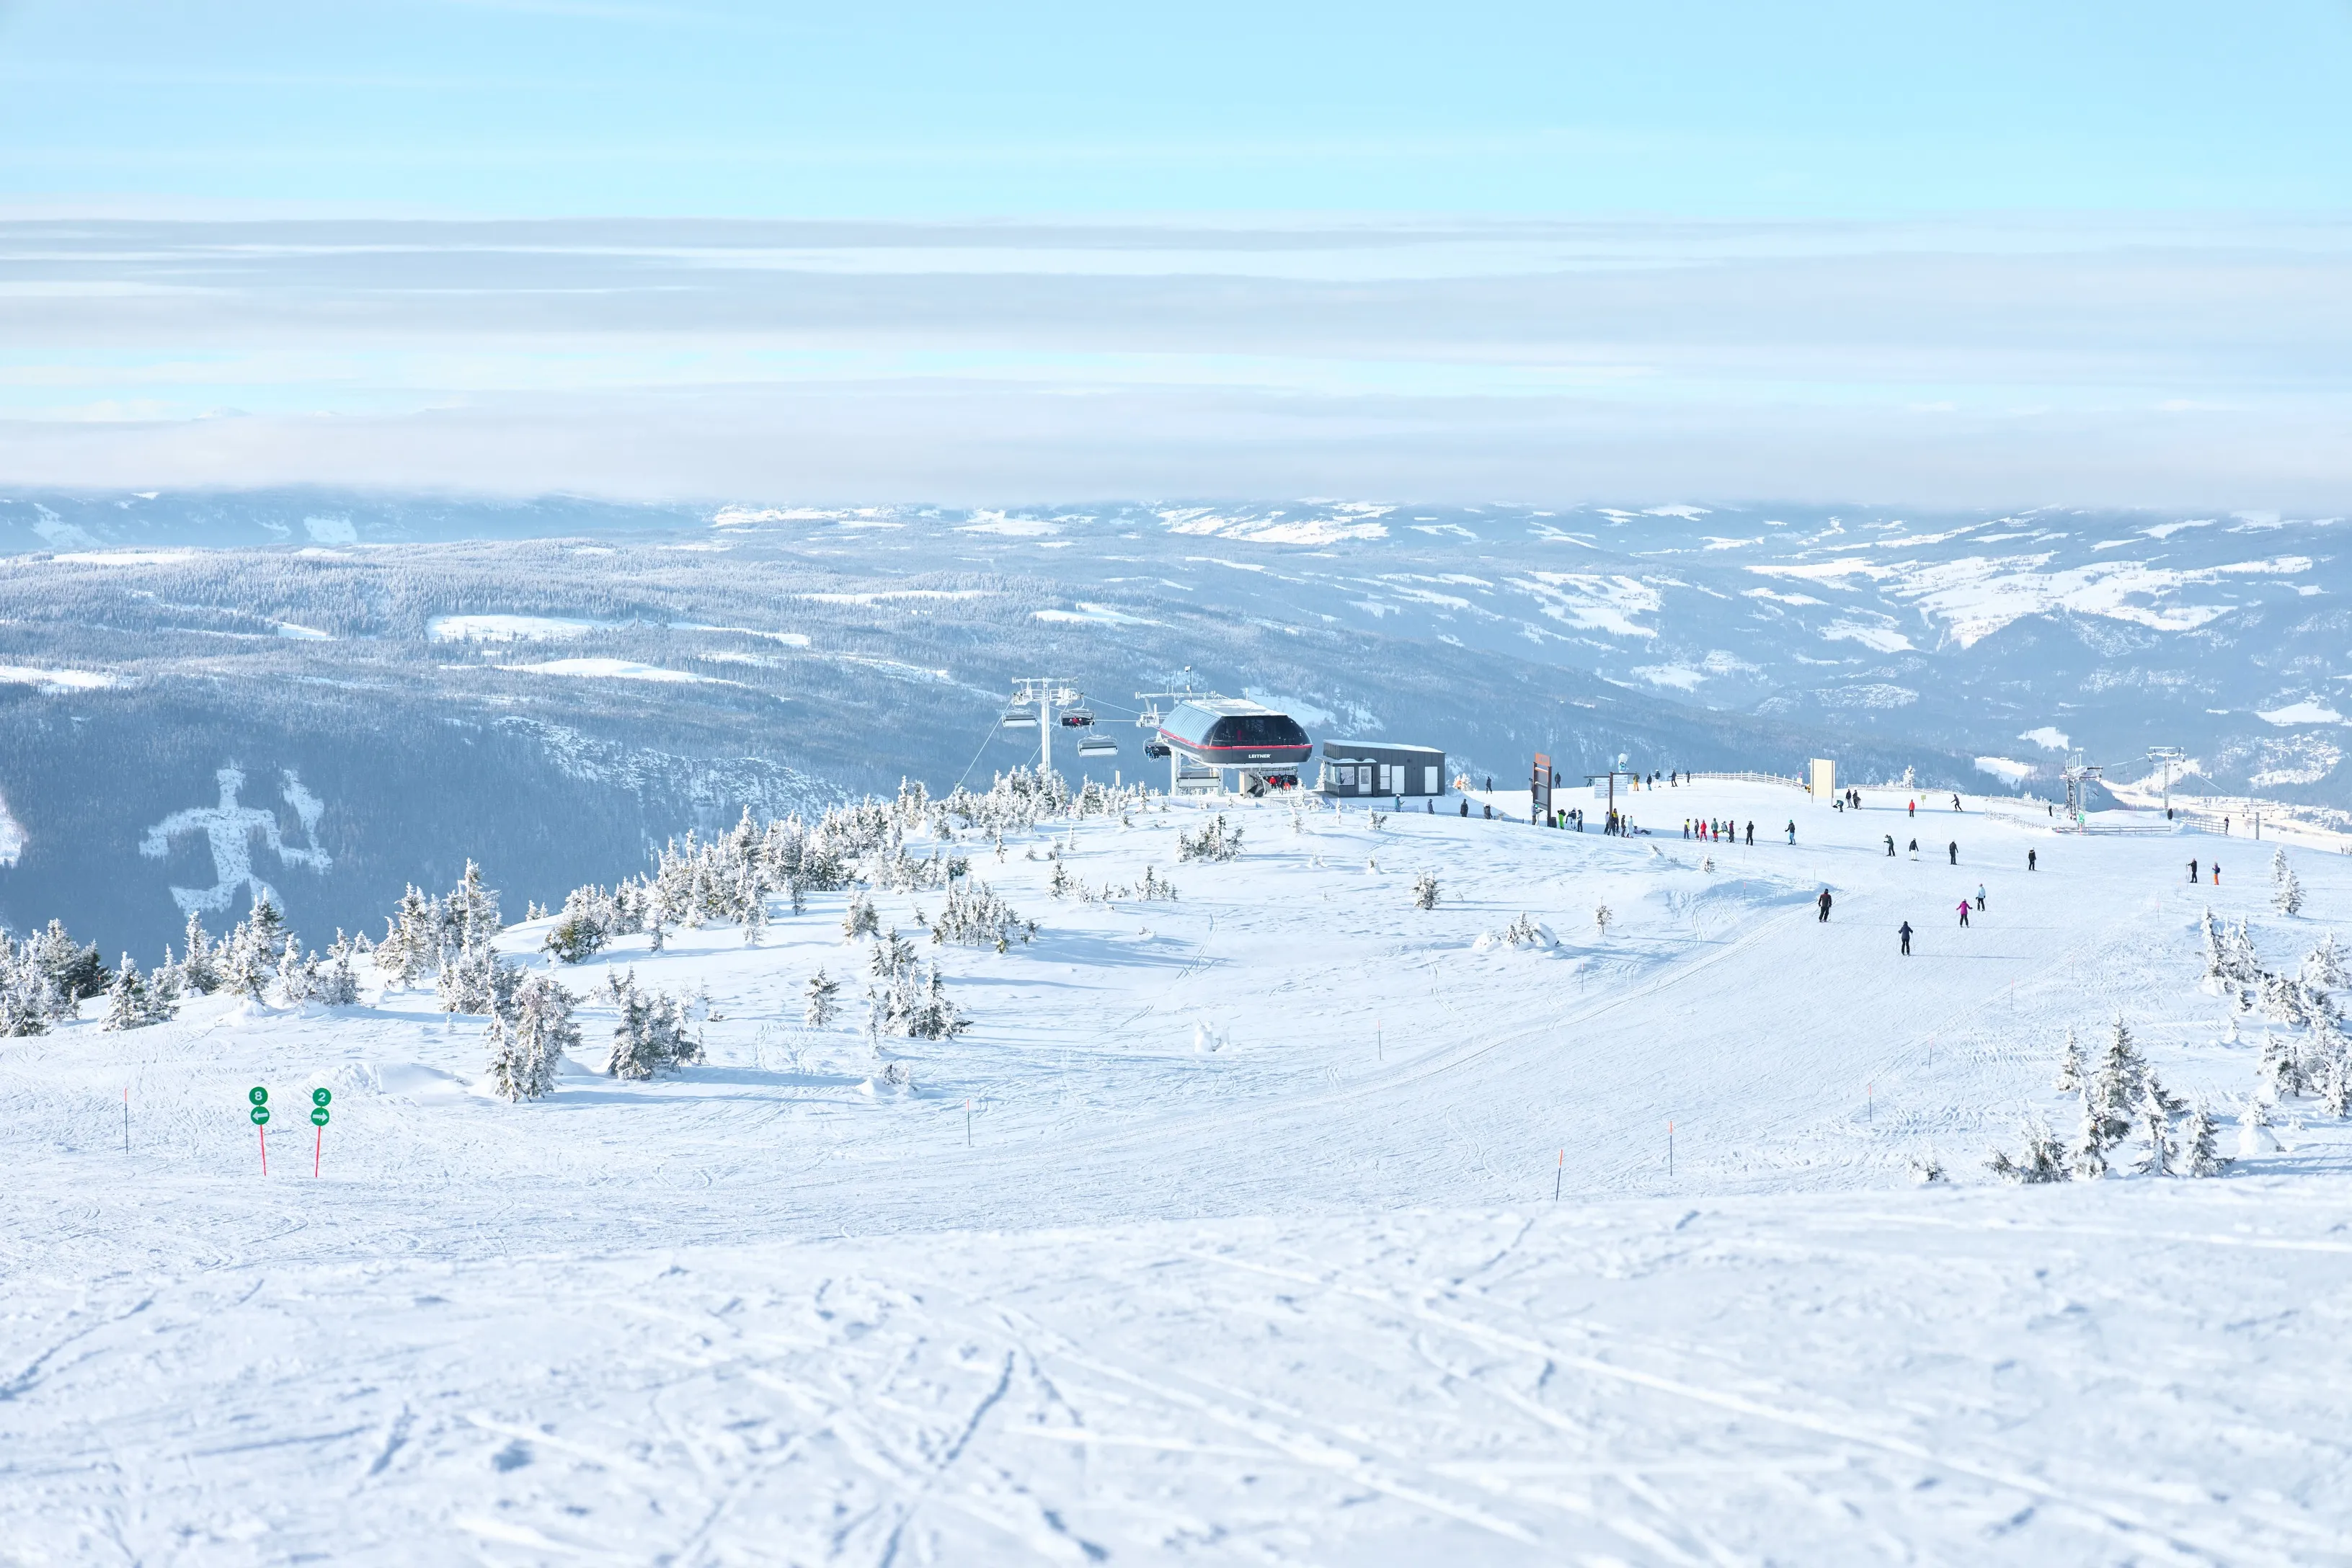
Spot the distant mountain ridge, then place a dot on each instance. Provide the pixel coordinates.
(552, 686)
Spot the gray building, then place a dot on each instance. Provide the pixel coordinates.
(1375, 767)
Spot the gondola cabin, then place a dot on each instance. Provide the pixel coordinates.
(1258, 747)
(1363, 767)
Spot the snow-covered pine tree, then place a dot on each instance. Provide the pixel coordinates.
(824, 994)
(754, 901)
(2116, 1088)
(128, 1003)
(1424, 891)
(470, 916)
(860, 919)
(247, 965)
(2070, 1065)
(1601, 915)
(2323, 967)
(2196, 1153)
(2335, 1088)
(2280, 1068)
(199, 970)
(2217, 966)
(2087, 1157)
(412, 938)
(2286, 890)
(294, 973)
(2042, 1160)
(2155, 1126)
(2254, 1136)
(893, 955)
(527, 1051)
(337, 985)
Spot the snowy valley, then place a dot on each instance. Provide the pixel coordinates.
(1197, 1194)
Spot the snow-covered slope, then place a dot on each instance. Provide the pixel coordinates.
(1228, 1233)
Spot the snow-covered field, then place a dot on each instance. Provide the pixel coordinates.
(1229, 1232)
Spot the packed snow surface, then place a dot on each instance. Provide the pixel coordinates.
(1229, 1233)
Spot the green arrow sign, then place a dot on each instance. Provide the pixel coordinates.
(319, 1116)
(262, 1115)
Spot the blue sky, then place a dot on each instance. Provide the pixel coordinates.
(1998, 253)
(918, 111)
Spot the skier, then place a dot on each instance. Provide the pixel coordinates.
(1915, 849)
(1824, 902)
(1465, 805)
(1964, 912)
(1912, 809)
(2216, 873)
(1955, 852)
(1955, 803)
(1890, 846)
(1980, 908)
(1793, 829)
(2193, 873)
(1906, 933)
(1751, 834)
(2029, 860)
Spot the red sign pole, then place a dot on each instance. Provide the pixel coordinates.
(265, 1149)
(317, 1150)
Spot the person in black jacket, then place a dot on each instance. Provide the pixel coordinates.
(1906, 933)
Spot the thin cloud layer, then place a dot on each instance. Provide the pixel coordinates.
(1982, 363)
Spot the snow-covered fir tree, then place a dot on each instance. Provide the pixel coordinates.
(822, 999)
(528, 1046)
(2155, 1125)
(1424, 891)
(2286, 890)
(2044, 1160)
(859, 919)
(2196, 1153)
(2086, 1157)
(2070, 1065)
(2323, 967)
(199, 969)
(131, 1002)
(650, 1033)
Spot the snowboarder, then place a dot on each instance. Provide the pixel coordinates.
(1793, 829)
(2193, 873)
(1955, 803)
(1915, 849)
(2029, 860)
(1955, 852)
(1906, 933)
(1964, 912)
(1824, 902)
(2216, 873)
(1890, 846)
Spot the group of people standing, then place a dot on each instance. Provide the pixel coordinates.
(1711, 830)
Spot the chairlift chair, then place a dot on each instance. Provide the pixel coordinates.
(1149, 717)
(1078, 718)
(1017, 715)
(1096, 744)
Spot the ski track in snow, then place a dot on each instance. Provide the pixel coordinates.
(1306, 1297)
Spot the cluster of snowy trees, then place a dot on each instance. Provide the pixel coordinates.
(48, 975)
(2123, 1103)
(2315, 1057)
(905, 1000)
(1424, 891)
(650, 1033)
(528, 1038)
(1212, 841)
(974, 916)
(1151, 886)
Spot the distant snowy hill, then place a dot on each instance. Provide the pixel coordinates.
(552, 686)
